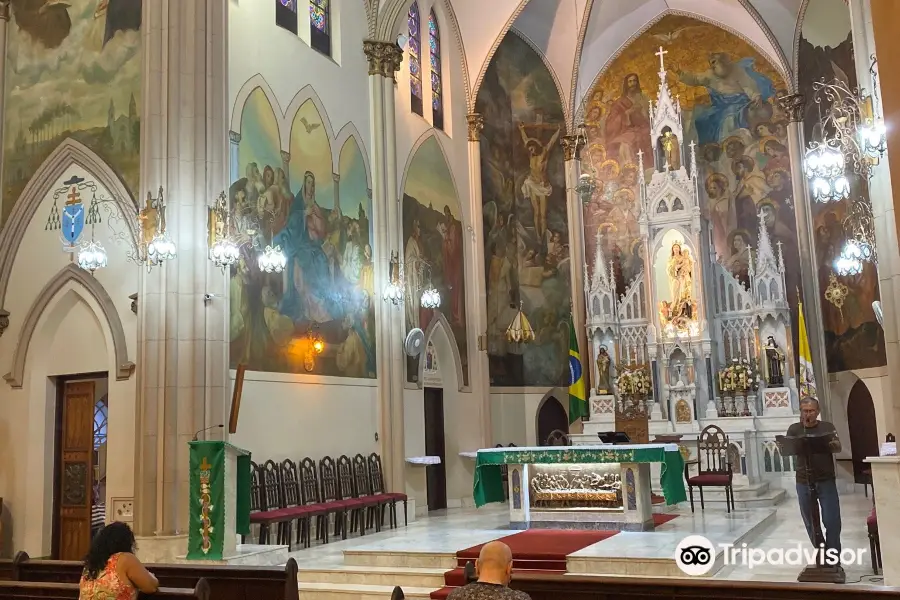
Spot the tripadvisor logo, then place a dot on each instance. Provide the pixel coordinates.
(695, 555)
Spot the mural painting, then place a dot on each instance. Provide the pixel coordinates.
(525, 222)
(318, 214)
(73, 70)
(433, 252)
(853, 338)
(728, 93)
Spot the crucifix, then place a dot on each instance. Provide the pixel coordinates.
(661, 54)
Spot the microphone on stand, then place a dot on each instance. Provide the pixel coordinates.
(219, 426)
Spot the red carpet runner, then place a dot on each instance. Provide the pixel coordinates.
(534, 550)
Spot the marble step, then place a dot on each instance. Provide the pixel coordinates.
(741, 491)
(368, 575)
(403, 559)
(770, 498)
(346, 591)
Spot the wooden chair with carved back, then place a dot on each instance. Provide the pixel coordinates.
(376, 480)
(311, 494)
(714, 467)
(331, 495)
(257, 507)
(356, 506)
(376, 503)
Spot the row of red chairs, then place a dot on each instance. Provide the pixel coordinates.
(349, 491)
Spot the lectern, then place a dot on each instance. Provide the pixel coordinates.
(219, 499)
(807, 446)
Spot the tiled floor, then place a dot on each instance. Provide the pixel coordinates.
(428, 545)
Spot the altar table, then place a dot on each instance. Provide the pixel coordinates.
(583, 487)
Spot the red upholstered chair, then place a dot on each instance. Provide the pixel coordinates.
(376, 503)
(874, 543)
(264, 510)
(356, 506)
(331, 496)
(296, 508)
(256, 503)
(376, 479)
(310, 493)
(713, 466)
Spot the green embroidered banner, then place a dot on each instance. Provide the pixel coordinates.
(489, 482)
(207, 501)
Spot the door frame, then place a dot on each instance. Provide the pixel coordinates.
(431, 470)
(60, 382)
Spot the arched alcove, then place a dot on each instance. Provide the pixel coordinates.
(551, 416)
(863, 428)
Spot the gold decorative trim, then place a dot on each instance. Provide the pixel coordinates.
(476, 124)
(384, 57)
(793, 105)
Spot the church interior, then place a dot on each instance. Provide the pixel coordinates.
(346, 290)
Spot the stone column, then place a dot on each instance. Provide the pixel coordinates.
(182, 348)
(234, 167)
(4, 25)
(793, 105)
(572, 145)
(869, 35)
(476, 286)
(384, 61)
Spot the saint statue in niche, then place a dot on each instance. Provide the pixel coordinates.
(679, 310)
(603, 363)
(668, 150)
(774, 362)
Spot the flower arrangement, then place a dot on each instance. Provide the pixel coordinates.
(634, 382)
(739, 376)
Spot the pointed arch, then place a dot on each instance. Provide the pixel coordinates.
(348, 132)
(86, 286)
(779, 65)
(482, 70)
(69, 152)
(439, 322)
(306, 93)
(546, 61)
(240, 101)
(412, 154)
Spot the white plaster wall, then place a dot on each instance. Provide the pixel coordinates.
(281, 418)
(876, 381)
(71, 337)
(514, 414)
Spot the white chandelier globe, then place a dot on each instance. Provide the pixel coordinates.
(431, 298)
(393, 293)
(823, 161)
(160, 249)
(821, 189)
(848, 266)
(224, 253)
(874, 137)
(92, 256)
(272, 260)
(841, 188)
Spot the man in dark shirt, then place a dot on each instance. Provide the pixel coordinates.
(823, 477)
(494, 569)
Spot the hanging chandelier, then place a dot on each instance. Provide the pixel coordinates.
(824, 166)
(520, 330)
(272, 260)
(431, 298)
(393, 291)
(160, 247)
(92, 256)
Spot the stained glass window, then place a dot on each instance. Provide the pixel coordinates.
(286, 14)
(437, 95)
(320, 26)
(100, 416)
(415, 60)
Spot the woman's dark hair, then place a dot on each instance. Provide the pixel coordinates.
(112, 539)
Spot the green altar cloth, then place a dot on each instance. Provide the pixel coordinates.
(489, 482)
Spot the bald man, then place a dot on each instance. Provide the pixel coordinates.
(494, 570)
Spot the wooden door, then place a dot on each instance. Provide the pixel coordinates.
(551, 417)
(435, 475)
(76, 448)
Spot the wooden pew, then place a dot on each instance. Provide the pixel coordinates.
(572, 587)
(226, 582)
(28, 590)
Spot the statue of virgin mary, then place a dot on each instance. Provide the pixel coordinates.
(680, 270)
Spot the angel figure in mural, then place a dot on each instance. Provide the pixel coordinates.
(536, 186)
(735, 90)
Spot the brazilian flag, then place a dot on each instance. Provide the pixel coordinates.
(577, 403)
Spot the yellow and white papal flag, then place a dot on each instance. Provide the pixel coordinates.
(807, 378)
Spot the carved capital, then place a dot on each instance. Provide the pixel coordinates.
(4, 321)
(4, 15)
(134, 299)
(794, 106)
(234, 137)
(285, 157)
(572, 145)
(384, 57)
(476, 124)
